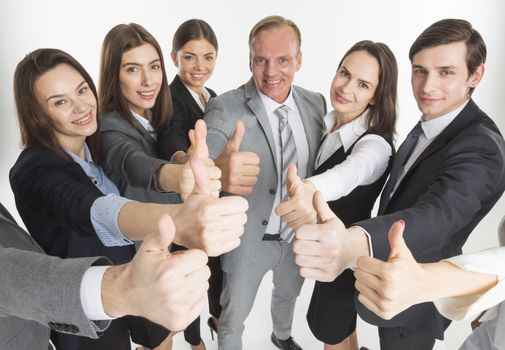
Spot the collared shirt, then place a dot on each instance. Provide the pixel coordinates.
(431, 129)
(366, 163)
(146, 123)
(196, 97)
(302, 146)
(104, 210)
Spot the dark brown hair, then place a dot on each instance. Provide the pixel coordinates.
(382, 114)
(448, 31)
(118, 40)
(193, 29)
(36, 126)
(272, 22)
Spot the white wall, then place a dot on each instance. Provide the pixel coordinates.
(328, 29)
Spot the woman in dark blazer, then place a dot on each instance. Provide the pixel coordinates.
(194, 53)
(351, 168)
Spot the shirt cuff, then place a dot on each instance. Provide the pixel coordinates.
(370, 247)
(105, 220)
(91, 293)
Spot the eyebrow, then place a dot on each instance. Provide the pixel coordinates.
(360, 80)
(439, 67)
(138, 64)
(61, 95)
(194, 54)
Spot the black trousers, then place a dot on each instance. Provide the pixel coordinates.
(401, 338)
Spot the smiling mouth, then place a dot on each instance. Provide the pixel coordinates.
(341, 99)
(146, 94)
(272, 82)
(198, 76)
(83, 121)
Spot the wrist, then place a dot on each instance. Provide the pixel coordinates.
(356, 244)
(114, 292)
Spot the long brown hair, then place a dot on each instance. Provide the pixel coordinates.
(382, 114)
(118, 40)
(36, 126)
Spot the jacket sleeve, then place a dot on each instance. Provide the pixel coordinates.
(174, 137)
(220, 126)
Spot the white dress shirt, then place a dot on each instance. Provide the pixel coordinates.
(196, 97)
(367, 162)
(146, 123)
(302, 147)
(91, 293)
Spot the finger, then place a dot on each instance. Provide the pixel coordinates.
(371, 265)
(224, 206)
(223, 248)
(368, 279)
(214, 172)
(317, 274)
(190, 314)
(399, 248)
(293, 180)
(161, 239)
(302, 247)
(237, 137)
(323, 210)
(284, 208)
(370, 305)
(200, 139)
(186, 261)
(202, 180)
(308, 261)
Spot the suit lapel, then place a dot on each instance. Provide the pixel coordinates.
(183, 91)
(258, 109)
(465, 117)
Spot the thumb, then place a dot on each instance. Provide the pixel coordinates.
(163, 238)
(198, 139)
(323, 210)
(293, 180)
(236, 138)
(201, 175)
(399, 249)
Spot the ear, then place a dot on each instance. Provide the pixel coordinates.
(476, 77)
(298, 61)
(173, 55)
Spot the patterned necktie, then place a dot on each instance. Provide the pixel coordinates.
(288, 157)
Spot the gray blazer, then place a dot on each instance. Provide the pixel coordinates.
(39, 292)
(245, 104)
(130, 159)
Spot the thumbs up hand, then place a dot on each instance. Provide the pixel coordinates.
(388, 288)
(208, 223)
(297, 209)
(169, 289)
(239, 169)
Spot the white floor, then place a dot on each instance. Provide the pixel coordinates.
(258, 325)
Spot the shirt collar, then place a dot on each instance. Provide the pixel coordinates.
(196, 97)
(348, 132)
(432, 128)
(271, 105)
(87, 155)
(145, 122)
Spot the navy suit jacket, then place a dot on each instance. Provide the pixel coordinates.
(443, 196)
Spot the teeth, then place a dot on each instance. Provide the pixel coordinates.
(82, 120)
(146, 93)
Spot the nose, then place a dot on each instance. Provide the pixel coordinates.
(430, 83)
(345, 87)
(79, 106)
(198, 64)
(147, 78)
(270, 69)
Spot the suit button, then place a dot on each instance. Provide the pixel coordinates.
(73, 329)
(271, 191)
(264, 222)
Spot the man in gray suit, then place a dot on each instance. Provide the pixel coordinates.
(40, 292)
(254, 133)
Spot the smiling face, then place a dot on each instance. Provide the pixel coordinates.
(354, 85)
(196, 61)
(440, 80)
(140, 77)
(275, 57)
(68, 100)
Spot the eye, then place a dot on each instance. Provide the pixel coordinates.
(364, 85)
(83, 90)
(59, 103)
(209, 58)
(132, 69)
(447, 72)
(283, 60)
(259, 61)
(155, 66)
(344, 73)
(188, 58)
(420, 71)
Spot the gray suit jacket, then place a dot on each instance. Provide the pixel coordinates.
(130, 159)
(39, 292)
(245, 104)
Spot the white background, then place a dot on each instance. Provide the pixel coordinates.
(328, 29)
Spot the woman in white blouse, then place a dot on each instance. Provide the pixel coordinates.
(465, 286)
(351, 168)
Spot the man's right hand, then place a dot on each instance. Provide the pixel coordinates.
(167, 288)
(239, 169)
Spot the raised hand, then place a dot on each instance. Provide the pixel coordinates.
(297, 209)
(239, 169)
(212, 224)
(169, 289)
(199, 150)
(387, 288)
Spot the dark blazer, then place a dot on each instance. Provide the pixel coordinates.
(54, 198)
(24, 269)
(186, 112)
(447, 191)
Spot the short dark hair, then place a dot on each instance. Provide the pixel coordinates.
(118, 40)
(36, 126)
(448, 31)
(271, 22)
(382, 114)
(193, 29)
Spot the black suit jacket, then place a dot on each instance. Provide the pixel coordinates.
(186, 112)
(447, 191)
(54, 198)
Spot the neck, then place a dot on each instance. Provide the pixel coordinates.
(342, 119)
(76, 147)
